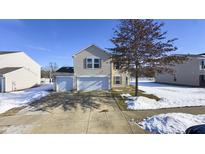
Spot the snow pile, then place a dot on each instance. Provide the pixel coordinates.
(141, 103)
(126, 95)
(171, 123)
(21, 98)
(170, 96)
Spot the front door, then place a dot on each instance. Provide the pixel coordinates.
(202, 80)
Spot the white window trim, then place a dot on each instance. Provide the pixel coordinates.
(89, 63)
(93, 62)
(96, 63)
(202, 68)
(120, 77)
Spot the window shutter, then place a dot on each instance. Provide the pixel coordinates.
(100, 63)
(202, 64)
(84, 63)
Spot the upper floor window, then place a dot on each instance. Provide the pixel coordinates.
(96, 63)
(116, 66)
(203, 64)
(89, 63)
(92, 63)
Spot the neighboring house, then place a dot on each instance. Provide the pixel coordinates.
(18, 71)
(94, 70)
(190, 72)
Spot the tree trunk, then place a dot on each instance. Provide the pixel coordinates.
(136, 82)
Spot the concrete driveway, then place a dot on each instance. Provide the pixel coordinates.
(91, 112)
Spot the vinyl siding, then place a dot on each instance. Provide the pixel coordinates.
(92, 52)
(20, 79)
(20, 59)
(123, 76)
(186, 73)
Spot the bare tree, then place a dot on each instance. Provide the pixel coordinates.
(49, 70)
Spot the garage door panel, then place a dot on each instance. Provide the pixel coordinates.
(64, 83)
(92, 83)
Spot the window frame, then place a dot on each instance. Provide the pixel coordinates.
(116, 66)
(88, 63)
(120, 80)
(94, 63)
(203, 78)
(203, 64)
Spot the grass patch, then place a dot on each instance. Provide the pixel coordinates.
(121, 104)
(131, 90)
(105, 110)
(151, 96)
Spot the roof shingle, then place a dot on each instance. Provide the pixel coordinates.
(65, 70)
(7, 52)
(8, 69)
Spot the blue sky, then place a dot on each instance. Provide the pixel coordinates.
(57, 40)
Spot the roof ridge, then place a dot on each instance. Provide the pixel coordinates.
(88, 47)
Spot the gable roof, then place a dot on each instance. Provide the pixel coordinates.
(19, 52)
(7, 52)
(65, 70)
(89, 47)
(8, 69)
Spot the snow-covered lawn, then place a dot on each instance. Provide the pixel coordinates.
(171, 123)
(171, 96)
(22, 98)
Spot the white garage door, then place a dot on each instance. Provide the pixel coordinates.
(64, 83)
(92, 83)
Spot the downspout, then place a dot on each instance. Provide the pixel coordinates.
(2, 84)
(111, 74)
(75, 76)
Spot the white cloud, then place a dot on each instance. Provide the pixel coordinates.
(39, 48)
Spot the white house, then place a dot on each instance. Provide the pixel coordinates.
(18, 71)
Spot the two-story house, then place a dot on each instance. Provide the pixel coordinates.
(93, 70)
(190, 72)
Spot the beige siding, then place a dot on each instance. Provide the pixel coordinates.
(186, 73)
(19, 79)
(106, 65)
(91, 52)
(123, 76)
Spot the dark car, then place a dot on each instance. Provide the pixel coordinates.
(198, 129)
